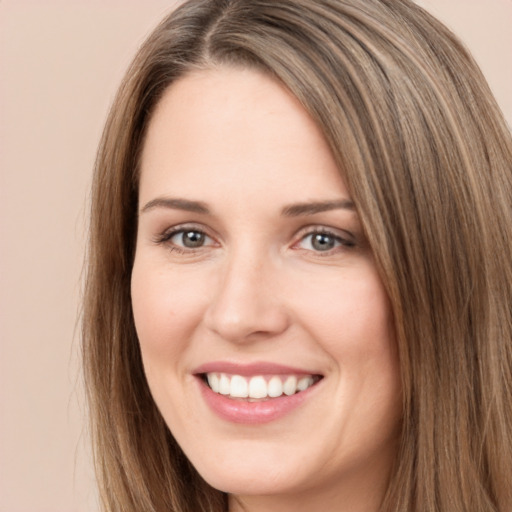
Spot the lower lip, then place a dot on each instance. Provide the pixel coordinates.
(250, 413)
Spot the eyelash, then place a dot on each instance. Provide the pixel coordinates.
(166, 237)
(343, 243)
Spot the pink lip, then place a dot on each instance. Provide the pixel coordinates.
(243, 411)
(251, 369)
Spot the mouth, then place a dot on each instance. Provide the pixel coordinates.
(258, 388)
(255, 393)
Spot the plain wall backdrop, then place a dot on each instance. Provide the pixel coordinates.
(60, 64)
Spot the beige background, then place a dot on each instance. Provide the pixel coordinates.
(60, 63)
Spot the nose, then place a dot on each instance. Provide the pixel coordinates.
(247, 303)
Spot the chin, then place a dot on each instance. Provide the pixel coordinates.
(251, 481)
(256, 473)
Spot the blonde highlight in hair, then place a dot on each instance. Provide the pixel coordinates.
(427, 158)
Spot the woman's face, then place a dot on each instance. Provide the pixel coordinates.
(252, 272)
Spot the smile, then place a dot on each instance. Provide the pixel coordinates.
(255, 393)
(258, 387)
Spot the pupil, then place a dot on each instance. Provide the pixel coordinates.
(193, 239)
(322, 242)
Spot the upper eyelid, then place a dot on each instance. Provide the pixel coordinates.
(168, 233)
(192, 226)
(318, 228)
(341, 241)
(297, 237)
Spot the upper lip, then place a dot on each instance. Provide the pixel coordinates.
(250, 369)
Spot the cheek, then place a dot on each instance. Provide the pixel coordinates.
(352, 321)
(167, 307)
(349, 316)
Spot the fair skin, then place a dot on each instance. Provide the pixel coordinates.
(237, 273)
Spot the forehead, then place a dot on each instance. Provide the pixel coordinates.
(233, 130)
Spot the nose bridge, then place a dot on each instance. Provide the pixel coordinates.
(246, 300)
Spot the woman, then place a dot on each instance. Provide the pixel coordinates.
(299, 283)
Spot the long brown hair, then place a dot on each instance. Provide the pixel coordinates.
(427, 157)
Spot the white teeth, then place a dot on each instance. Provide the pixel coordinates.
(290, 385)
(213, 381)
(275, 387)
(304, 383)
(258, 387)
(224, 384)
(239, 387)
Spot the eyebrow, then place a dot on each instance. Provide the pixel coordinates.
(310, 208)
(291, 210)
(176, 204)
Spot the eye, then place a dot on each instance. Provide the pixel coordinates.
(185, 239)
(191, 239)
(323, 241)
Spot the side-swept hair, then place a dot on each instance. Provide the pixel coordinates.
(427, 158)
